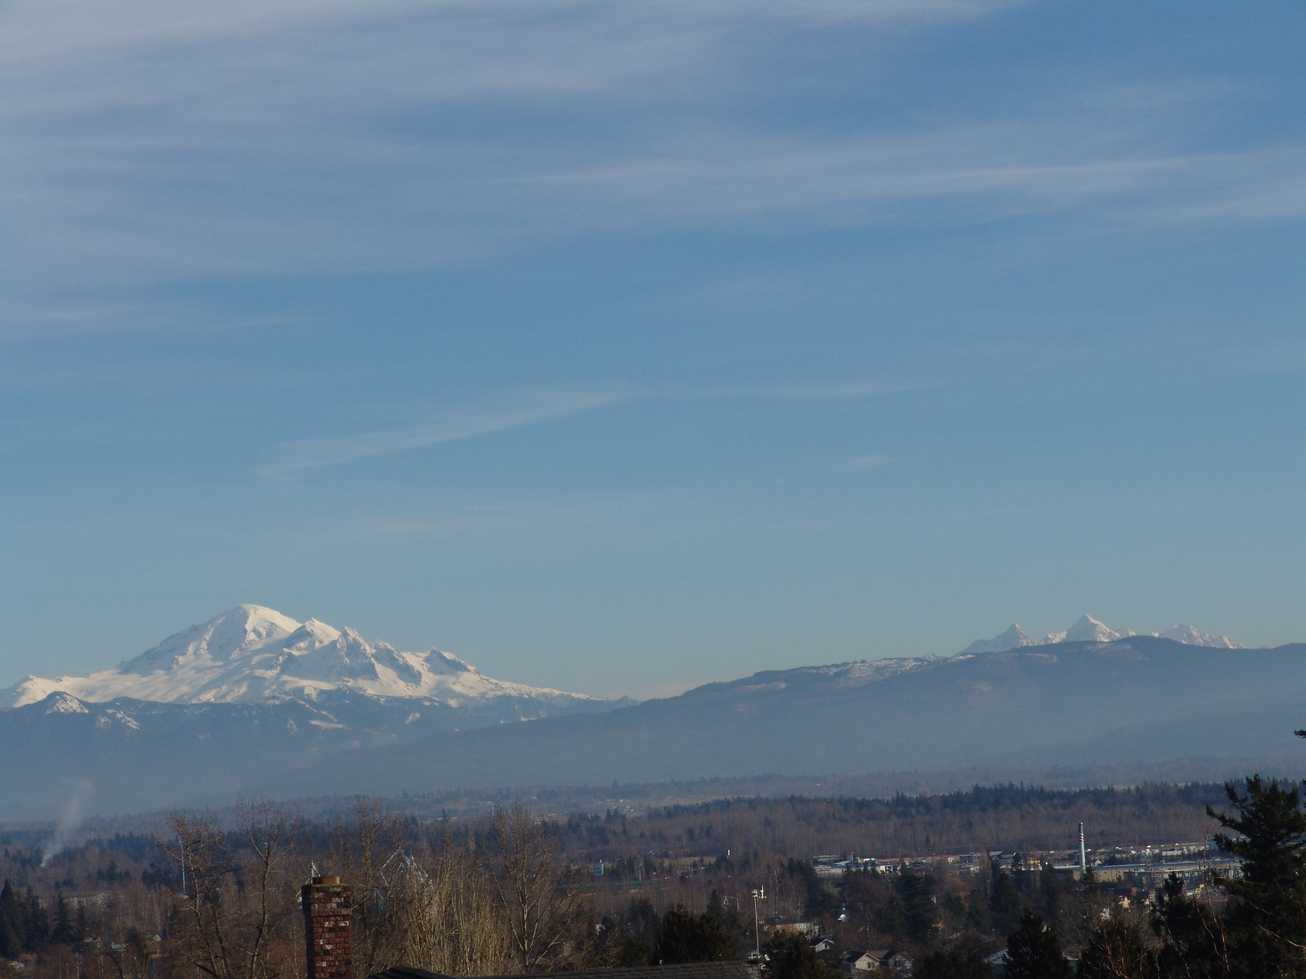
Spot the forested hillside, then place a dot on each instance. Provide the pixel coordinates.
(1001, 818)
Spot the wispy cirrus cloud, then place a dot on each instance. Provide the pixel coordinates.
(508, 411)
(47, 28)
(299, 138)
(518, 409)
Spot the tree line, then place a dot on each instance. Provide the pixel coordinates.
(997, 818)
(217, 898)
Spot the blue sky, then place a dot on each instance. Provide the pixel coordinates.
(621, 347)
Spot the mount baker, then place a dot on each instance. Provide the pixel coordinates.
(251, 654)
(245, 695)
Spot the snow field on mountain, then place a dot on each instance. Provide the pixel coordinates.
(252, 654)
(1089, 629)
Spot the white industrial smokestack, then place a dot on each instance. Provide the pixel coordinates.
(1083, 854)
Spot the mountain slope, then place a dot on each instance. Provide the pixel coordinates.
(1032, 706)
(218, 706)
(1141, 698)
(252, 654)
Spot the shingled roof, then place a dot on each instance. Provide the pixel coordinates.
(736, 969)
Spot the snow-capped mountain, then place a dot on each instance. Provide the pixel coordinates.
(251, 654)
(1013, 638)
(1089, 629)
(1189, 636)
(256, 703)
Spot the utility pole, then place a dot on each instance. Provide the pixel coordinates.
(182, 846)
(757, 927)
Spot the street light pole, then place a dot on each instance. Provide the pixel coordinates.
(757, 928)
(182, 846)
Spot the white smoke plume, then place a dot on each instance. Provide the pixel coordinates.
(70, 820)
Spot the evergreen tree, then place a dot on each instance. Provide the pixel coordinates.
(36, 924)
(11, 943)
(888, 917)
(919, 912)
(83, 925)
(620, 950)
(978, 916)
(12, 917)
(642, 921)
(727, 913)
(1193, 937)
(790, 956)
(1267, 918)
(689, 938)
(714, 906)
(1033, 951)
(820, 900)
(65, 931)
(1116, 951)
(1004, 902)
(1050, 897)
(953, 964)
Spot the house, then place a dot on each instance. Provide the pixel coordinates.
(892, 960)
(889, 959)
(859, 962)
(820, 945)
(808, 928)
(998, 963)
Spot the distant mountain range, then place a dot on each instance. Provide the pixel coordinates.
(253, 702)
(1088, 629)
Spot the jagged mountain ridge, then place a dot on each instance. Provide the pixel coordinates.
(1089, 629)
(253, 654)
(1141, 698)
(1106, 702)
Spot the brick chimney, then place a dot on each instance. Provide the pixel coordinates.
(327, 928)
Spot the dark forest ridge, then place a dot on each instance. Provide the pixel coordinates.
(1140, 699)
(1003, 817)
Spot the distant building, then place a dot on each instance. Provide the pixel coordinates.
(890, 959)
(859, 962)
(809, 929)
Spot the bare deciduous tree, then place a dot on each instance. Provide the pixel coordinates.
(540, 895)
(367, 855)
(444, 916)
(434, 909)
(242, 898)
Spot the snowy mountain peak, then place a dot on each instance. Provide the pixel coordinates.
(1190, 636)
(320, 634)
(252, 654)
(1089, 629)
(236, 632)
(1013, 638)
(448, 662)
(64, 704)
